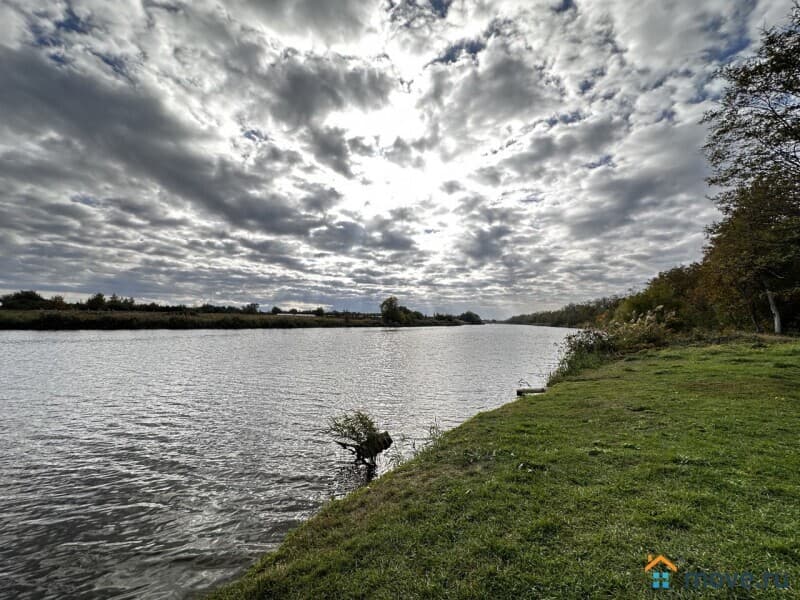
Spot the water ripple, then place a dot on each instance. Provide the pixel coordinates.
(158, 464)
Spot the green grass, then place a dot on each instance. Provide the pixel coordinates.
(689, 452)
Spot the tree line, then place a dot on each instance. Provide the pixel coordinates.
(749, 275)
(391, 312)
(32, 300)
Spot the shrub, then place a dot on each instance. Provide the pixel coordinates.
(648, 330)
(354, 428)
(358, 434)
(591, 347)
(585, 349)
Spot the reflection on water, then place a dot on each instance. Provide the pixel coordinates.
(155, 464)
(352, 475)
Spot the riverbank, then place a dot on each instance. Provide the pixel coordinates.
(75, 320)
(687, 452)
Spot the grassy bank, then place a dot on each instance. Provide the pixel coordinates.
(72, 320)
(689, 452)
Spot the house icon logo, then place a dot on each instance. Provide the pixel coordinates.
(660, 567)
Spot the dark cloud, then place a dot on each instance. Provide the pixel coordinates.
(490, 234)
(317, 197)
(562, 145)
(360, 145)
(271, 158)
(340, 236)
(145, 213)
(440, 7)
(136, 131)
(306, 88)
(486, 244)
(565, 5)
(451, 187)
(271, 252)
(492, 175)
(378, 234)
(454, 52)
(401, 152)
(329, 147)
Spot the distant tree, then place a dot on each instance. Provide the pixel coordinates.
(276, 310)
(114, 303)
(96, 302)
(58, 303)
(470, 317)
(390, 311)
(24, 300)
(250, 309)
(594, 312)
(319, 311)
(292, 311)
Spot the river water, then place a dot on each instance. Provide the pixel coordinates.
(157, 464)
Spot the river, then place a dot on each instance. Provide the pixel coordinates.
(157, 464)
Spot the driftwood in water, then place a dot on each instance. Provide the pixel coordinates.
(369, 449)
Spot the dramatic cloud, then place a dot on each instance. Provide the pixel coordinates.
(501, 156)
(307, 89)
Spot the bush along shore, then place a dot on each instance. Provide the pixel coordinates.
(688, 451)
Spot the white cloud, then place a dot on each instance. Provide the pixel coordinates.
(504, 155)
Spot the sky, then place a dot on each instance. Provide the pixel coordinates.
(500, 156)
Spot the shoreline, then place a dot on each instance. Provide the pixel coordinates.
(564, 495)
(52, 320)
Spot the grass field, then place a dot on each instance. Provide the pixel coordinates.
(691, 453)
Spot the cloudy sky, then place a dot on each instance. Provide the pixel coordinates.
(504, 156)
